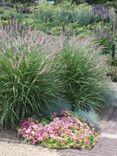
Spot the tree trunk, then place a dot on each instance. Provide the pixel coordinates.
(114, 33)
(116, 16)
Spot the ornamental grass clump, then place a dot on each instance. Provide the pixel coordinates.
(28, 86)
(82, 74)
(29, 82)
(65, 131)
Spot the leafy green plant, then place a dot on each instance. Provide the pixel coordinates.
(65, 131)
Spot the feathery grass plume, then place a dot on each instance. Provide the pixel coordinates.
(28, 79)
(82, 74)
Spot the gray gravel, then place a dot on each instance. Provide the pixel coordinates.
(16, 149)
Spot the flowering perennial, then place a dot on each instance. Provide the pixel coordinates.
(65, 131)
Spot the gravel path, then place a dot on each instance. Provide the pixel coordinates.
(16, 149)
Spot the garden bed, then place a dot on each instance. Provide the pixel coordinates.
(62, 68)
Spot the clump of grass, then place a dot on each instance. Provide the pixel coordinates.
(29, 85)
(81, 76)
(89, 117)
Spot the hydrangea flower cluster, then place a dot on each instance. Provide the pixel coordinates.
(65, 131)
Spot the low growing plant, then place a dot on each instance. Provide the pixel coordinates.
(65, 131)
(90, 117)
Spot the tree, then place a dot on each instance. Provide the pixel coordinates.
(114, 31)
(116, 15)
